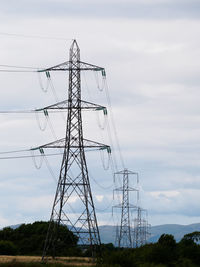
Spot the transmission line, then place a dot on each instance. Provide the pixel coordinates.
(35, 36)
(113, 124)
(18, 67)
(1, 70)
(23, 157)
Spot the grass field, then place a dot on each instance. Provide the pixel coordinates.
(35, 261)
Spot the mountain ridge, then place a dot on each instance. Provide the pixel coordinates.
(108, 232)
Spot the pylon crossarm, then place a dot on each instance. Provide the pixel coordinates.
(126, 172)
(56, 144)
(61, 143)
(65, 105)
(68, 65)
(88, 66)
(128, 189)
(130, 206)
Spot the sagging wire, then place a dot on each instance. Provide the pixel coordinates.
(114, 159)
(52, 129)
(101, 186)
(56, 97)
(44, 126)
(87, 87)
(37, 165)
(113, 124)
(43, 158)
(50, 169)
(51, 85)
(102, 210)
(105, 166)
(96, 75)
(113, 162)
(44, 88)
(61, 151)
(102, 125)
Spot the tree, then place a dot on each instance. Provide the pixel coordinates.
(165, 250)
(29, 238)
(188, 248)
(194, 236)
(167, 241)
(7, 248)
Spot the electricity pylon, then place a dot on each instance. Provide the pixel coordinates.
(141, 228)
(73, 204)
(125, 235)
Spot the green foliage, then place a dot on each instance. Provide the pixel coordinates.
(165, 250)
(29, 239)
(194, 236)
(7, 248)
(165, 253)
(166, 240)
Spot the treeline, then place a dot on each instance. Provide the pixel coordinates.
(28, 239)
(166, 252)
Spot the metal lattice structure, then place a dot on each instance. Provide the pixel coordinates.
(141, 230)
(125, 234)
(73, 183)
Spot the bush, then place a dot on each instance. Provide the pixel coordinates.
(7, 248)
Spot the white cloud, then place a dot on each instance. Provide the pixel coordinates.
(152, 70)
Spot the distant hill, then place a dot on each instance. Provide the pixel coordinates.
(15, 226)
(107, 232)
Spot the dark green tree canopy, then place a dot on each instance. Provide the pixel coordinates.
(29, 238)
(167, 240)
(194, 236)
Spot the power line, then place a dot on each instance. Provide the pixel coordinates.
(1, 70)
(28, 150)
(23, 157)
(29, 111)
(14, 151)
(113, 125)
(34, 36)
(102, 210)
(101, 186)
(18, 67)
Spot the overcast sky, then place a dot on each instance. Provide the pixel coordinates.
(150, 50)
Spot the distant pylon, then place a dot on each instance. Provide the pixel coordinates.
(125, 235)
(141, 228)
(73, 204)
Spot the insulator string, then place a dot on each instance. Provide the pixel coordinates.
(41, 127)
(37, 165)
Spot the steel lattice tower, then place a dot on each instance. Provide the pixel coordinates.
(125, 235)
(73, 184)
(141, 228)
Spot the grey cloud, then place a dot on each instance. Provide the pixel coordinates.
(103, 9)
